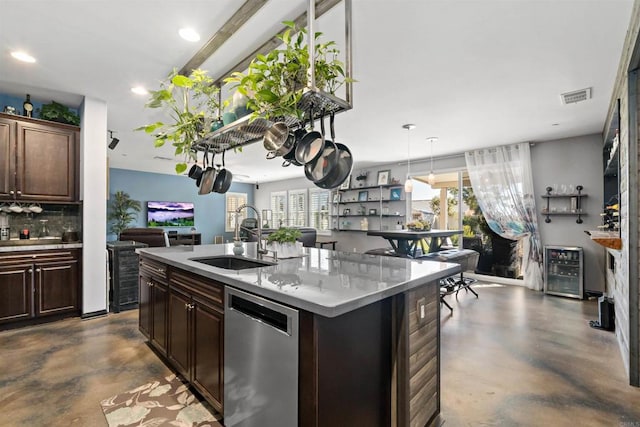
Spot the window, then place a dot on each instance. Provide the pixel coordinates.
(234, 200)
(297, 208)
(319, 210)
(279, 208)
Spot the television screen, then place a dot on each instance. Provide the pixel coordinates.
(170, 214)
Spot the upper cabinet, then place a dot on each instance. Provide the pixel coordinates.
(39, 160)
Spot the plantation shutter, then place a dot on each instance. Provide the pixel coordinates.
(298, 208)
(279, 208)
(319, 209)
(234, 201)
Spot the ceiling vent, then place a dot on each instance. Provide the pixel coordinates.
(576, 96)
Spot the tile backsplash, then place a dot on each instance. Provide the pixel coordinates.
(59, 218)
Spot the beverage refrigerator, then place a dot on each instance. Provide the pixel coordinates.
(563, 271)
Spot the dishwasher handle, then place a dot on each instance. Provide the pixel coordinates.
(261, 310)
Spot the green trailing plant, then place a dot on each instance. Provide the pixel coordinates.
(275, 82)
(123, 210)
(56, 112)
(190, 102)
(284, 235)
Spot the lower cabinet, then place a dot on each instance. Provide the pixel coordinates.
(196, 333)
(182, 315)
(153, 294)
(38, 284)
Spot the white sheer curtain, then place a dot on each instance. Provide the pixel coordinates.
(503, 184)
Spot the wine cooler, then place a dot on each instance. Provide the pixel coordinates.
(563, 271)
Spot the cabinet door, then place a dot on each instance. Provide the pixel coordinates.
(179, 340)
(46, 162)
(144, 313)
(159, 299)
(16, 292)
(7, 157)
(208, 351)
(56, 286)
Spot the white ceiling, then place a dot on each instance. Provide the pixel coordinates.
(473, 73)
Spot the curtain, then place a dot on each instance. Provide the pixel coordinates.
(503, 184)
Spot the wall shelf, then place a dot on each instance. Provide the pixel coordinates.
(381, 203)
(575, 210)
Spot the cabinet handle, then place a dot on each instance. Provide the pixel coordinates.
(150, 284)
(38, 270)
(160, 270)
(30, 270)
(186, 306)
(19, 193)
(12, 192)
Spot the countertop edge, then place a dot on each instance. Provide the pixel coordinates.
(27, 248)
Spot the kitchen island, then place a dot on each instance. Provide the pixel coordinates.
(366, 336)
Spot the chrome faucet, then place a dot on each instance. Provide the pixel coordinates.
(261, 250)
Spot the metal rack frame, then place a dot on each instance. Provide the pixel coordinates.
(246, 131)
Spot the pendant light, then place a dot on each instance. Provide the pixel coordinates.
(408, 184)
(431, 178)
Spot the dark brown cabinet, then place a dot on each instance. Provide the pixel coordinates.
(196, 333)
(153, 303)
(38, 284)
(39, 160)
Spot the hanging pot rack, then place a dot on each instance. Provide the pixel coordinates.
(243, 131)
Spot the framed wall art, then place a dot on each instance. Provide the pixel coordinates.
(395, 193)
(383, 177)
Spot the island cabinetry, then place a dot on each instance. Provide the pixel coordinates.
(39, 284)
(196, 332)
(38, 160)
(153, 303)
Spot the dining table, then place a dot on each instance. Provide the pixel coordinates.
(405, 243)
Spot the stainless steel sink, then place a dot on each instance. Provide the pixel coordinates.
(231, 262)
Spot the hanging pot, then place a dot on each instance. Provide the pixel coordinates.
(321, 168)
(311, 145)
(290, 157)
(276, 140)
(208, 178)
(345, 162)
(205, 161)
(223, 179)
(196, 171)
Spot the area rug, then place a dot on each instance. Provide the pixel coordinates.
(159, 403)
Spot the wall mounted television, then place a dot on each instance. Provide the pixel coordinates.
(170, 214)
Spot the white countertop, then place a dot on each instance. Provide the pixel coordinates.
(36, 245)
(325, 282)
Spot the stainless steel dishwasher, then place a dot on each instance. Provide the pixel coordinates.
(260, 362)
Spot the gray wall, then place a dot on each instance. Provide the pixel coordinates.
(576, 161)
(567, 161)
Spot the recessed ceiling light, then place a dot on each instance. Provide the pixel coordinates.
(23, 56)
(139, 90)
(189, 34)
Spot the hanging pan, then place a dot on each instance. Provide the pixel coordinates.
(311, 145)
(290, 157)
(205, 161)
(322, 168)
(208, 178)
(223, 179)
(345, 163)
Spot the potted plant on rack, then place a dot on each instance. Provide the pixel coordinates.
(284, 242)
(274, 83)
(191, 103)
(123, 211)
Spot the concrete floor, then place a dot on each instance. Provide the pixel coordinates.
(513, 357)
